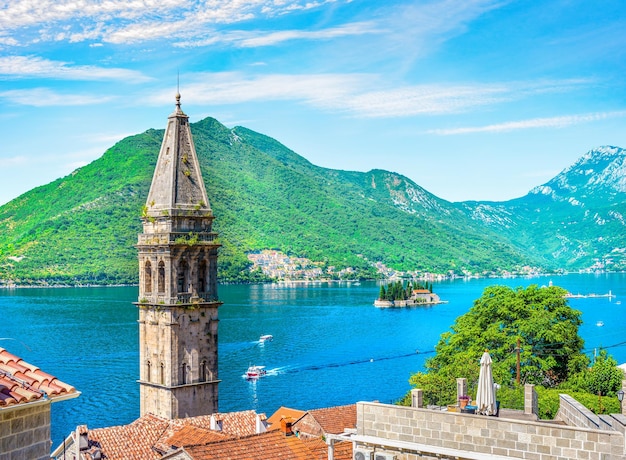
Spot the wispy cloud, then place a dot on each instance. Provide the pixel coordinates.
(256, 39)
(43, 97)
(274, 38)
(13, 161)
(552, 122)
(360, 95)
(36, 67)
(122, 21)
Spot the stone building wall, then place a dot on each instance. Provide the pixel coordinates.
(308, 428)
(412, 433)
(25, 432)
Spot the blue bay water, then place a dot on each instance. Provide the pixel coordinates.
(331, 345)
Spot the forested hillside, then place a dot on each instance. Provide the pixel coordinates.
(82, 228)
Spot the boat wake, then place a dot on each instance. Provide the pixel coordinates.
(315, 367)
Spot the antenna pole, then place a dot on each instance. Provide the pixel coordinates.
(517, 379)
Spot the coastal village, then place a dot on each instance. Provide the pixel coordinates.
(278, 266)
(179, 415)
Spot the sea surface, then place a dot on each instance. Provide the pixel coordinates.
(331, 345)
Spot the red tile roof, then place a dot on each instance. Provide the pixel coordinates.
(283, 412)
(149, 437)
(193, 436)
(21, 382)
(269, 445)
(342, 451)
(132, 441)
(335, 419)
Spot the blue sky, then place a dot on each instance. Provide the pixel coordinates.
(471, 99)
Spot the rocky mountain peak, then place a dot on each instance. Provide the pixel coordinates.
(601, 171)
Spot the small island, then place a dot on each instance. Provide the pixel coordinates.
(412, 295)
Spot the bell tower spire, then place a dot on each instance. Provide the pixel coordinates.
(178, 299)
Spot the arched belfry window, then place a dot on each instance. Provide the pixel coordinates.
(203, 371)
(162, 376)
(147, 280)
(148, 371)
(183, 270)
(202, 277)
(161, 282)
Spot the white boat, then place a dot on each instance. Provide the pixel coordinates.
(600, 323)
(266, 338)
(255, 372)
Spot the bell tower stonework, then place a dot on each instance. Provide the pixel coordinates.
(178, 299)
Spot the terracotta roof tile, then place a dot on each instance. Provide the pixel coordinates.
(129, 442)
(343, 449)
(283, 412)
(21, 382)
(335, 419)
(269, 445)
(149, 437)
(239, 423)
(193, 436)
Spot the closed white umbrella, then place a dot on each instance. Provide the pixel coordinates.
(485, 396)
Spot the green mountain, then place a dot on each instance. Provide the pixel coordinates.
(82, 228)
(575, 221)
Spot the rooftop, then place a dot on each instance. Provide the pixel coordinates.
(335, 419)
(21, 382)
(150, 436)
(272, 444)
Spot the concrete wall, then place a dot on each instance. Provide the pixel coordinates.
(25, 432)
(396, 429)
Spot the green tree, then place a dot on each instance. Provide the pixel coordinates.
(604, 377)
(383, 294)
(540, 317)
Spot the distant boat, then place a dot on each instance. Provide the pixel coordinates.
(266, 338)
(255, 372)
(600, 323)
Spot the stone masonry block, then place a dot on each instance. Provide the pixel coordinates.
(523, 446)
(568, 434)
(542, 449)
(17, 425)
(576, 444)
(535, 439)
(434, 426)
(508, 444)
(500, 451)
(467, 446)
(583, 455)
(562, 442)
(570, 453)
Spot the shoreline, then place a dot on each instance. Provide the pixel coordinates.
(319, 281)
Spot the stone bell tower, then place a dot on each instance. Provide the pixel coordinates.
(178, 300)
